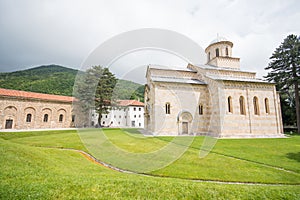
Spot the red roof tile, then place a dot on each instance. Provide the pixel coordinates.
(34, 95)
(130, 103)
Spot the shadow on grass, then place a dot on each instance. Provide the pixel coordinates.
(294, 156)
(132, 131)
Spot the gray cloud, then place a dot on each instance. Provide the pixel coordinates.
(65, 32)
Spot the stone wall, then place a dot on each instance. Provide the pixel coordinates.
(172, 73)
(225, 62)
(181, 97)
(267, 122)
(216, 120)
(17, 109)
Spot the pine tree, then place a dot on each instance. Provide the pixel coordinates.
(94, 90)
(285, 69)
(104, 91)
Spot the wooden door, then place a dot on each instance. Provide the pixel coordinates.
(8, 124)
(185, 127)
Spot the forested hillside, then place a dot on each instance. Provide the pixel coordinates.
(55, 79)
(50, 79)
(129, 90)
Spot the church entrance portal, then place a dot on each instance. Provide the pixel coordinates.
(185, 127)
(184, 119)
(8, 124)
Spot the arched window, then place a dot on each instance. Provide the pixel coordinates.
(200, 109)
(168, 108)
(256, 106)
(242, 106)
(267, 106)
(28, 117)
(229, 102)
(208, 57)
(226, 51)
(45, 118)
(217, 52)
(61, 118)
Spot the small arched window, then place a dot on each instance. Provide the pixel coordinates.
(45, 118)
(217, 52)
(61, 118)
(226, 51)
(200, 109)
(168, 111)
(28, 117)
(73, 118)
(267, 106)
(208, 57)
(256, 106)
(242, 105)
(229, 102)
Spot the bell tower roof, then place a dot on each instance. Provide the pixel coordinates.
(218, 39)
(219, 53)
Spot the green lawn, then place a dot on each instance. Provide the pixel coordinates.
(31, 170)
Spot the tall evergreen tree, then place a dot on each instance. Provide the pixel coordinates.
(285, 69)
(94, 89)
(104, 91)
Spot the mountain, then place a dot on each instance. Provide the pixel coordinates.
(125, 89)
(50, 79)
(55, 79)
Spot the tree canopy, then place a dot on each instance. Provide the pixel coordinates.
(285, 72)
(50, 79)
(55, 79)
(94, 90)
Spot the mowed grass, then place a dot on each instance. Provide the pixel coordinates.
(131, 140)
(241, 160)
(31, 170)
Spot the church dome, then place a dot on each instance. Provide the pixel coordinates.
(218, 42)
(218, 39)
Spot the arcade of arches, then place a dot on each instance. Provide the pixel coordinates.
(28, 110)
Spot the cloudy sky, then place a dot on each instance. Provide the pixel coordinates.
(36, 32)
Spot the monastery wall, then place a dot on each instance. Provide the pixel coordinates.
(250, 124)
(172, 73)
(16, 109)
(181, 97)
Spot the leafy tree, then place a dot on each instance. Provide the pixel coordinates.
(94, 89)
(288, 107)
(55, 79)
(104, 91)
(125, 89)
(285, 71)
(50, 79)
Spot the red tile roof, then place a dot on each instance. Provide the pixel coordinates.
(129, 103)
(34, 95)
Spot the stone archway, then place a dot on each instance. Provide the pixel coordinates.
(10, 116)
(184, 119)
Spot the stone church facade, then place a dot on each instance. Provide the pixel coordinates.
(216, 99)
(30, 110)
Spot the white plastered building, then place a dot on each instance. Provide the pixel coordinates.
(127, 114)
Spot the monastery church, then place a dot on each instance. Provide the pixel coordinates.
(217, 99)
